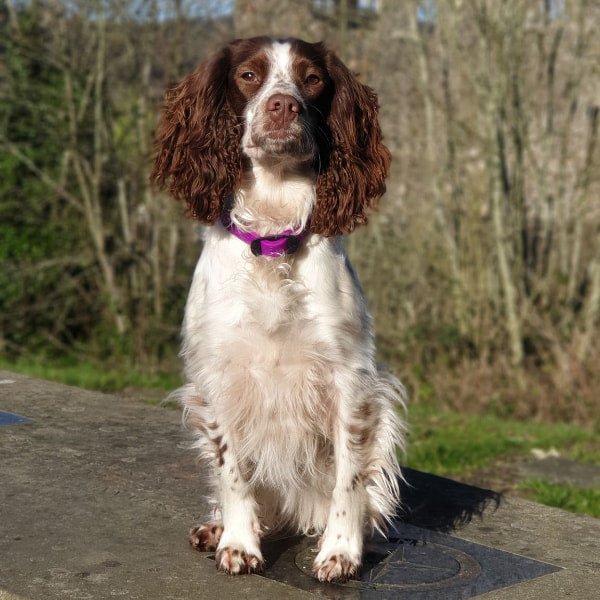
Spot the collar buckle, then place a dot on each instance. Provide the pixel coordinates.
(273, 244)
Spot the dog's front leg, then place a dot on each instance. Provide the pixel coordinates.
(238, 550)
(341, 545)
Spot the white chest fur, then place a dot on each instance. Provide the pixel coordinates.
(260, 339)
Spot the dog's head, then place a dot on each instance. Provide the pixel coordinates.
(273, 101)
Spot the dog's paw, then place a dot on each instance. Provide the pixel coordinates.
(235, 560)
(336, 567)
(205, 538)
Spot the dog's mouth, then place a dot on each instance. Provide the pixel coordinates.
(290, 141)
(281, 134)
(289, 131)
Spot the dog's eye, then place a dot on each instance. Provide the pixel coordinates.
(312, 79)
(248, 76)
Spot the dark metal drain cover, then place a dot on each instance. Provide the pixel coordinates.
(408, 564)
(415, 564)
(421, 561)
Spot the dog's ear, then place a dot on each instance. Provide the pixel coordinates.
(355, 164)
(198, 156)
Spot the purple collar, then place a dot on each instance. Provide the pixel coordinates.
(286, 242)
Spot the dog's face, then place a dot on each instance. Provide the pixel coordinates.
(282, 91)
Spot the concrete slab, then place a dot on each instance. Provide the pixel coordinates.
(98, 492)
(562, 471)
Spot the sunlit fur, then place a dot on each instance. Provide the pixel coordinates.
(298, 424)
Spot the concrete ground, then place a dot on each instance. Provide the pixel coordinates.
(97, 493)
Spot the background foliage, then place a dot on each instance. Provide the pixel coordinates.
(482, 267)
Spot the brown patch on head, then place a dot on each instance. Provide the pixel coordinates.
(310, 72)
(247, 57)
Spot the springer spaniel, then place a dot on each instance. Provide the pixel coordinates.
(278, 146)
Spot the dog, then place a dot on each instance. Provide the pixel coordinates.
(277, 146)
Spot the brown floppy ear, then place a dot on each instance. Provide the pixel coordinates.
(198, 141)
(356, 163)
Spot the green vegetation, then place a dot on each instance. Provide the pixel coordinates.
(567, 497)
(450, 443)
(93, 377)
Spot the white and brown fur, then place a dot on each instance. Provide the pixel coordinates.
(298, 425)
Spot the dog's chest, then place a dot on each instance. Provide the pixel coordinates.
(276, 383)
(276, 343)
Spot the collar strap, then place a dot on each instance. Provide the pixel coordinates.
(286, 242)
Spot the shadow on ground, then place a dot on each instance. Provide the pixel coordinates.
(441, 504)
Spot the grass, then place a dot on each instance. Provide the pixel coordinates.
(92, 377)
(451, 443)
(567, 497)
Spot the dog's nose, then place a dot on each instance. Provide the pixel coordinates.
(282, 109)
